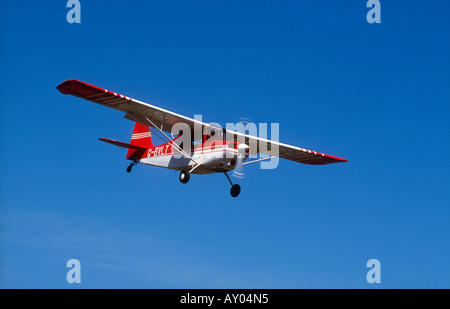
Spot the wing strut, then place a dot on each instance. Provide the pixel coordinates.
(165, 135)
(258, 160)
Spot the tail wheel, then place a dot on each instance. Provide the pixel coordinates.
(130, 167)
(235, 190)
(184, 176)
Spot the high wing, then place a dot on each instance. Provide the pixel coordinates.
(290, 152)
(134, 110)
(164, 120)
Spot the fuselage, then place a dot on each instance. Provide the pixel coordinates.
(213, 157)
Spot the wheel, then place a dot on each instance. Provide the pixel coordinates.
(184, 176)
(235, 190)
(129, 167)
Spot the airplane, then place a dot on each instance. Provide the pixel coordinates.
(214, 150)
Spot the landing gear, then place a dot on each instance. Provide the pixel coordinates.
(130, 167)
(184, 176)
(235, 189)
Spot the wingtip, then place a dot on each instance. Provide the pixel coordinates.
(336, 159)
(63, 87)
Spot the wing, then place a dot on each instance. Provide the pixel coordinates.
(306, 156)
(148, 114)
(134, 110)
(284, 151)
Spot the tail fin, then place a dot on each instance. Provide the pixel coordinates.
(141, 138)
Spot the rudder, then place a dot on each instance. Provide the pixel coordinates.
(141, 137)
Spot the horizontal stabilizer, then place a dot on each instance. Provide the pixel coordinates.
(120, 144)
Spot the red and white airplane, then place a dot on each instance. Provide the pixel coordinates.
(214, 150)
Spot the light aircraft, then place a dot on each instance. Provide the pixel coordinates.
(214, 150)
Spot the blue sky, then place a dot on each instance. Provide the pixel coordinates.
(376, 94)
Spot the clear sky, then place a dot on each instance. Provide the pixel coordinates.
(375, 94)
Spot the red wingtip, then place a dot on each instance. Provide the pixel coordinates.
(78, 88)
(67, 85)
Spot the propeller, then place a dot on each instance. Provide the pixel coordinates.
(238, 171)
(242, 149)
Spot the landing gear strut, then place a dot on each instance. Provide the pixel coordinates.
(235, 189)
(184, 176)
(130, 167)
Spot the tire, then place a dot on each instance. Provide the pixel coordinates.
(184, 176)
(235, 190)
(129, 167)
